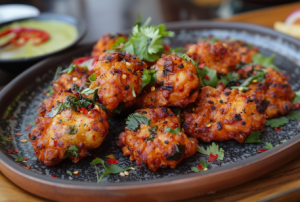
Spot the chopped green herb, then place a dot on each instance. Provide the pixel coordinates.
(69, 172)
(109, 169)
(229, 77)
(50, 91)
(57, 73)
(211, 74)
(92, 77)
(214, 149)
(32, 123)
(72, 151)
(3, 138)
(178, 51)
(282, 141)
(60, 121)
(254, 138)
(119, 108)
(277, 122)
(174, 131)
(148, 77)
(268, 145)
(177, 112)
(297, 97)
(133, 92)
(204, 165)
(19, 159)
(89, 91)
(259, 77)
(239, 88)
(265, 61)
(70, 69)
(76, 88)
(294, 116)
(135, 119)
(119, 41)
(187, 58)
(153, 133)
(72, 130)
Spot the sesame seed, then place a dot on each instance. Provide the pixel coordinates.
(126, 172)
(241, 88)
(208, 125)
(75, 79)
(23, 140)
(75, 172)
(204, 168)
(128, 64)
(124, 76)
(122, 174)
(254, 81)
(153, 88)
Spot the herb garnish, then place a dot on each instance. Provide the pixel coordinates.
(213, 149)
(92, 77)
(203, 164)
(148, 77)
(72, 130)
(174, 131)
(133, 92)
(254, 138)
(297, 97)
(69, 69)
(135, 119)
(277, 122)
(268, 145)
(258, 58)
(69, 172)
(57, 73)
(89, 91)
(294, 116)
(72, 151)
(3, 138)
(152, 131)
(19, 159)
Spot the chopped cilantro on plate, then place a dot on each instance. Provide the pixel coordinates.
(277, 122)
(213, 149)
(254, 138)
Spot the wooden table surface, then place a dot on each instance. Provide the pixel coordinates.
(280, 185)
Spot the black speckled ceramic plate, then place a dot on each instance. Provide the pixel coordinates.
(242, 162)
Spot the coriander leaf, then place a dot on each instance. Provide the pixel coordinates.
(72, 130)
(119, 41)
(50, 91)
(294, 116)
(214, 149)
(148, 77)
(211, 79)
(229, 77)
(187, 58)
(135, 119)
(119, 108)
(57, 109)
(177, 112)
(260, 75)
(19, 159)
(297, 97)
(268, 145)
(152, 131)
(32, 123)
(92, 77)
(69, 69)
(254, 138)
(97, 161)
(57, 73)
(139, 20)
(282, 141)
(240, 88)
(277, 122)
(178, 51)
(204, 164)
(265, 61)
(89, 91)
(174, 131)
(195, 169)
(69, 172)
(72, 151)
(133, 92)
(3, 138)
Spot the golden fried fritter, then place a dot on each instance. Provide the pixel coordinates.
(119, 76)
(105, 42)
(152, 145)
(220, 114)
(177, 84)
(246, 51)
(216, 56)
(76, 78)
(69, 133)
(279, 93)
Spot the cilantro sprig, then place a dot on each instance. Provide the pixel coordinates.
(72, 151)
(148, 77)
(268, 145)
(294, 116)
(277, 122)
(212, 149)
(258, 58)
(204, 165)
(297, 97)
(5, 139)
(19, 159)
(254, 138)
(109, 169)
(133, 121)
(174, 131)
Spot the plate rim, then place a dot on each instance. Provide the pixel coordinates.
(253, 162)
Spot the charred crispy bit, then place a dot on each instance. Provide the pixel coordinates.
(68, 131)
(246, 51)
(153, 144)
(106, 42)
(279, 93)
(220, 114)
(74, 80)
(216, 56)
(177, 84)
(119, 76)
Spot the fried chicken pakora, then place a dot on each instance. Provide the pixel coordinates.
(216, 56)
(73, 126)
(222, 114)
(106, 42)
(153, 142)
(177, 84)
(119, 78)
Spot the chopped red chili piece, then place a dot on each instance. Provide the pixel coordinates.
(25, 159)
(212, 157)
(90, 105)
(28, 127)
(54, 176)
(239, 71)
(200, 167)
(10, 151)
(255, 72)
(143, 137)
(16, 151)
(95, 156)
(18, 134)
(10, 138)
(181, 89)
(277, 128)
(200, 66)
(78, 61)
(11, 118)
(27, 167)
(248, 68)
(206, 77)
(296, 105)
(112, 161)
(261, 150)
(238, 84)
(84, 110)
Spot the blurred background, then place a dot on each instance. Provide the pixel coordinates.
(104, 16)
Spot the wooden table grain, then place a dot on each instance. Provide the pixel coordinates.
(280, 185)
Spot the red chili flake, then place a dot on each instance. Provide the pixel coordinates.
(248, 68)
(90, 105)
(84, 110)
(143, 137)
(25, 159)
(238, 84)
(296, 105)
(239, 71)
(10, 151)
(212, 157)
(200, 66)
(177, 79)
(255, 72)
(16, 151)
(277, 128)
(18, 134)
(112, 161)
(261, 150)
(10, 138)
(95, 156)
(27, 167)
(28, 127)
(45, 93)
(54, 176)
(181, 89)
(200, 167)
(76, 173)
(82, 59)
(11, 118)
(206, 77)
(94, 137)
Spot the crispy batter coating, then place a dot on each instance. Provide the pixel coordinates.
(77, 77)
(105, 42)
(279, 93)
(216, 56)
(166, 149)
(220, 115)
(118, 74)
(53, 136)
(177, 84)
(245, 50)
